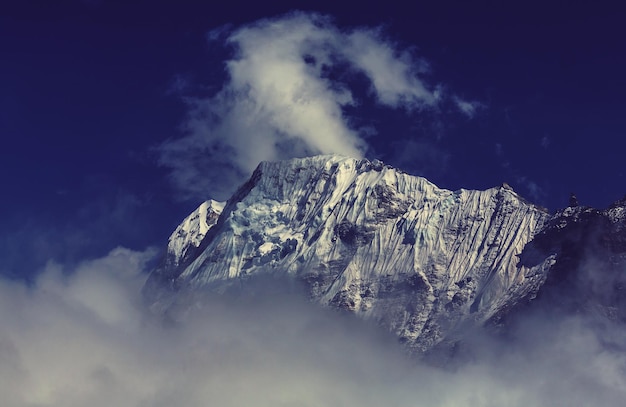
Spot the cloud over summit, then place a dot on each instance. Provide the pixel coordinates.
(288, 82)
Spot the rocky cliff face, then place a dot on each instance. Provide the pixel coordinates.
(366, 238)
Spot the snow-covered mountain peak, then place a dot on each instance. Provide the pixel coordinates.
(193, 229)
(367, 238)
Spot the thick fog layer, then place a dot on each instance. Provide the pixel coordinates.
(83, 338)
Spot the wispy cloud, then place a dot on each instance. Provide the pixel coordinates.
(289, 81)
(531, 188)
(468, 108)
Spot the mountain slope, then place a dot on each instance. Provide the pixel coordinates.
(369, 239)
(589, 272)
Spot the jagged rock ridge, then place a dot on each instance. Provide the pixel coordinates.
(366, 238)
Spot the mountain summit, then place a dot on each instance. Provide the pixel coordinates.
(363, 237)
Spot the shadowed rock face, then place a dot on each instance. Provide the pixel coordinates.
(589, 272)
(366, 238)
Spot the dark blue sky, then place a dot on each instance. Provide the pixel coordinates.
(87, 96)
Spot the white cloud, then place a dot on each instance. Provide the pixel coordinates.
(288, 83)
(393, 73)
(468, 108)
(69, 337)
(82, 337)
(531, 188)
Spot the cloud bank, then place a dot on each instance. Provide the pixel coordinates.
(83, 338)
(288, 84)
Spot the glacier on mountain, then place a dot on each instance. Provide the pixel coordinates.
(361, 236)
